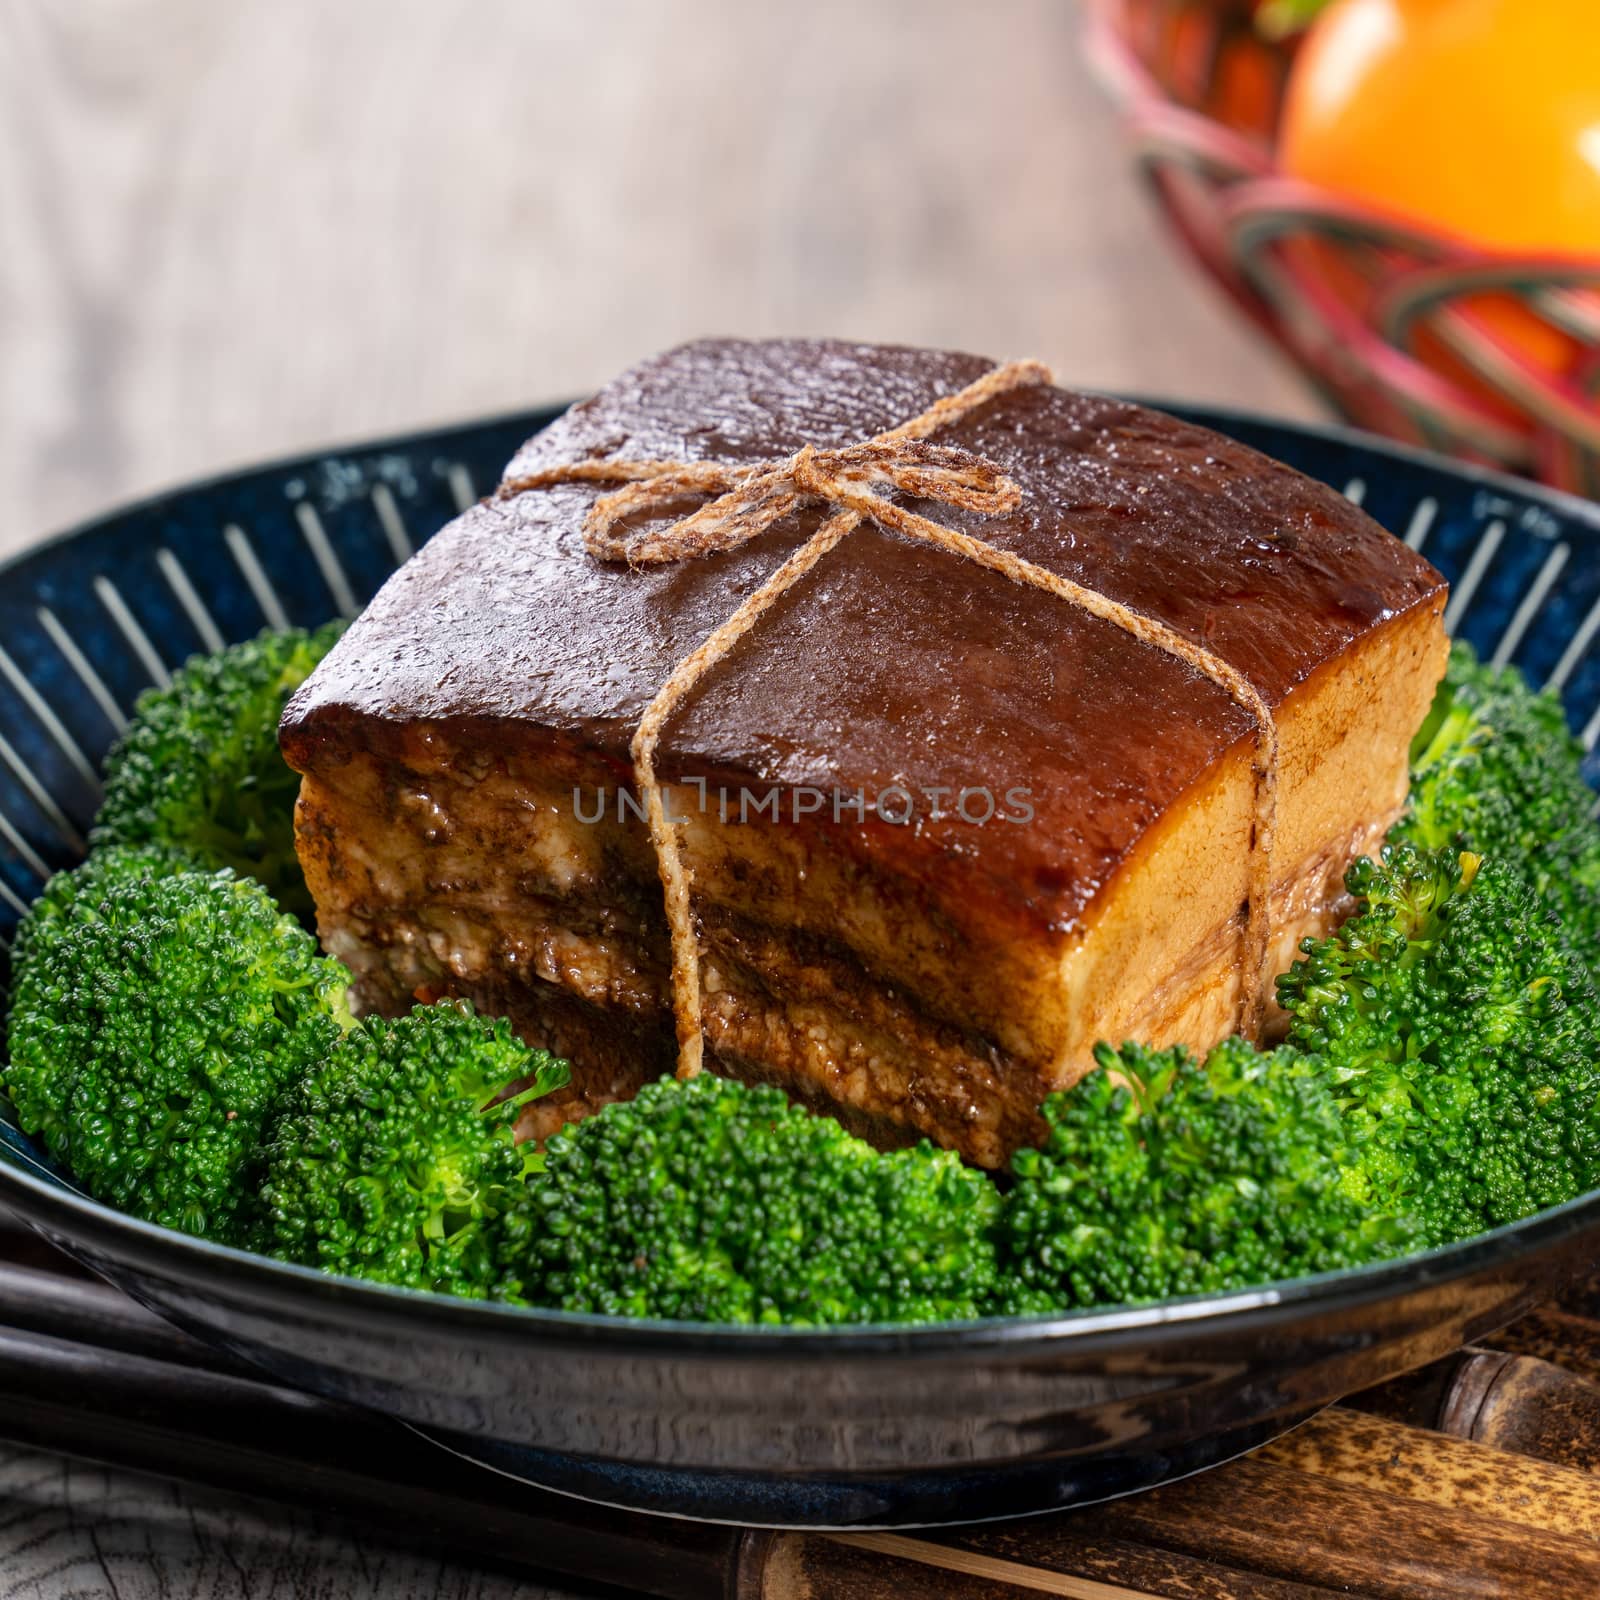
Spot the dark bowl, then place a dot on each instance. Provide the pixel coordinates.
(838, 1428)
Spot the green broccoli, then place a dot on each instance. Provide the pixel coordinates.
(156, 1017)
(1166, 1176)
(177, 1042)
(716, 1202)
(61, 897)
(395, 1159)
(199, 769)
(1496, 770)
(1463, 1039)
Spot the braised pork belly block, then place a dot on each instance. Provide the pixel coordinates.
(943, 830)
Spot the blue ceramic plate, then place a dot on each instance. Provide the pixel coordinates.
(784, 1427)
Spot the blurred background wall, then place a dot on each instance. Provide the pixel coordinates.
(233, 230)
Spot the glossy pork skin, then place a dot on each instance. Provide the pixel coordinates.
(929, 976)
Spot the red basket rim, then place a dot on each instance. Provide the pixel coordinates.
(1149, 107)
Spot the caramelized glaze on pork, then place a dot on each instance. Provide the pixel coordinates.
(931, 977)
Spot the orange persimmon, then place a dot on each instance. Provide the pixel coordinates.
(1480, 118)
(1477, 119)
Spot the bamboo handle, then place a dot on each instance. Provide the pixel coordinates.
(898, 1566)
(1349, 1504)
(1521, 1404)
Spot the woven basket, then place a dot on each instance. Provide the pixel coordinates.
(1406, 332)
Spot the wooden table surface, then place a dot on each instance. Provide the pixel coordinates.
(230, 231)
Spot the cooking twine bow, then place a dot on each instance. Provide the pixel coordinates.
(856, 481)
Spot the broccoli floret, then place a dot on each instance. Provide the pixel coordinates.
(1463, 1039)
(199, 768)
(1495, 770)
(1166, 1176)
(395, 1160)
(716, 1202)
(87, 881)
(156, 1017)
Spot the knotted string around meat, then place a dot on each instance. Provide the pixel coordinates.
(750, 498)
(856, 481)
